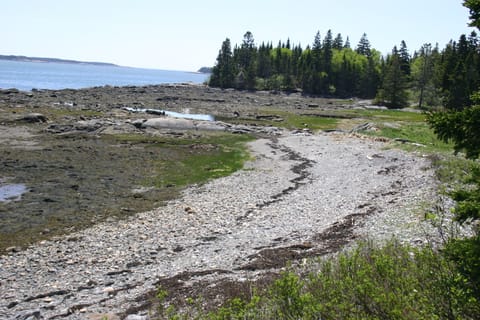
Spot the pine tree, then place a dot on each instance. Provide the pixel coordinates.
(423, 75)
(327, 55)
(463, 128)
(223, 73)
(460, 72)
(404, 58)
(246, 57)
(363, 46)
(338, 42)
(264, 61)
(393, 91)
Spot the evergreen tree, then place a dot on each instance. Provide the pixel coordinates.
(287, 67)
(317, 42)
(264, 61)
(474, 8)
(404, 58)
(422, 72)
(338, 42)
(347, 44)
(245, 58)
(327, 54)
(363, 46)
(316, 78)
(223, 73)
(460, 70)
(393, 91)
(462, 126)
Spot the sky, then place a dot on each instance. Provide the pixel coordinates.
(187, 34)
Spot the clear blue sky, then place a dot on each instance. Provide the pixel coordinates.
(187, 34)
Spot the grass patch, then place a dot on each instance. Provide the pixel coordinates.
(288, 120)
(391, 115)
(418, 135)
(182, 162)
(55, 113)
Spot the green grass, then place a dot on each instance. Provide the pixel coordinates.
(418, 136)
(410, 128)
(295, 121)
(287, 120)
(185, 161)
(390, 115)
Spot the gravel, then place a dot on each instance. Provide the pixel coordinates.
(297, 191)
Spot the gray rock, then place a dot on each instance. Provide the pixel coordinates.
(29, 315)
(33, 117)
(136, 317)
(181, 124)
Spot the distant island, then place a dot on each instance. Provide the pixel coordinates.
(205, 70)
(55, 60)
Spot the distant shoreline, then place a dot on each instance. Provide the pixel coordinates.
(53, 60)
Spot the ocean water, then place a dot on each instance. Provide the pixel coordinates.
(40, 75)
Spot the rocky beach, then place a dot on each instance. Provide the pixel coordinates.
(302, 194)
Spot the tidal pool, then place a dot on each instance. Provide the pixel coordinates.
(190, 116)
(9, 192)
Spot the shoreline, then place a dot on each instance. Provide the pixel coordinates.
(215, 236)
(303, 195)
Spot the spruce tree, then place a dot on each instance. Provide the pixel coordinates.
(422, 74)
(404, 58)
(223, 73)
(363, 46)
(246, 57)
(393, 91)
(338, 42)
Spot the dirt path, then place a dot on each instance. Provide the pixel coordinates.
(302, 196)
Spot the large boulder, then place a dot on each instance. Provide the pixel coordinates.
(32, 118)
(181, 124)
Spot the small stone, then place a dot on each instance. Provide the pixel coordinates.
(28, 315)
(136, 317)
(12, 249)
(108, 290)
(102, 316)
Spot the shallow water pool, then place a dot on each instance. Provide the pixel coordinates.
(9, 192)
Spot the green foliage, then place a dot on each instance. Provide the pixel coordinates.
(369, 282)
(393, 92)
(430, 76)
(320, 70)
(468, 199)
(460, 127)
(425, 88)
(466, 254)
(288, 298)
(474, 7)
(223, 73)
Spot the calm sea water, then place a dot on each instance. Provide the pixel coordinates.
(28, 75)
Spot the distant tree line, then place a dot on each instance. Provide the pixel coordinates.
(331, 67)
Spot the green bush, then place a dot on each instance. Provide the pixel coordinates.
(391, 282)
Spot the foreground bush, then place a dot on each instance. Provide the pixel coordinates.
(391, 282)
